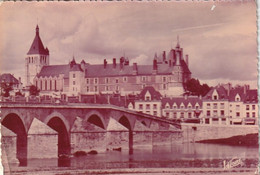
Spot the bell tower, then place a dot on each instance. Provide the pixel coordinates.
(36, 58)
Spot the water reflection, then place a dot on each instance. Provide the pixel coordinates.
(178, 155)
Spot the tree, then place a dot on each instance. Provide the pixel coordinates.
(34, 90)
(5, 89)
(194, 87)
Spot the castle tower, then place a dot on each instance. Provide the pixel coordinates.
(36, 58)
(176, 83)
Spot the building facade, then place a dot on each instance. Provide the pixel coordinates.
(227, 105)
(167, 73)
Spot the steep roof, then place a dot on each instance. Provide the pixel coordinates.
(155, 95)
(180, 100)
(221, 92)
(54, 70)
(251, 96)
(37, 46)
(8, 78)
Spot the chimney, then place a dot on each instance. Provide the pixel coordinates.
(187, 59)
(135, 68)
(105, 63)
(155, 66)
(164, 56)
(228, 90)
(122, 59)
(114, 62)
(246, 87)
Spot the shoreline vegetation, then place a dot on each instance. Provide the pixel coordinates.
(249, 140)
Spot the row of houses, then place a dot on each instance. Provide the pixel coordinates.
(221, 105)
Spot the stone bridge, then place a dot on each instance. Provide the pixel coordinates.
(49, 131)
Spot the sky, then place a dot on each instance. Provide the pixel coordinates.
(219, 37)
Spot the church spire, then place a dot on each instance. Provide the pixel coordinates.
(37, 46)
(178, 42)
(37, 30)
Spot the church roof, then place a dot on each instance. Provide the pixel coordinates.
(37, 46)
(54, 70)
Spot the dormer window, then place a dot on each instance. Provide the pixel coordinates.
(147, 98)
(215, 97)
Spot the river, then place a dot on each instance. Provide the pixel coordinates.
(186, 155)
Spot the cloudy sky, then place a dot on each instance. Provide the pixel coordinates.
(221, 41)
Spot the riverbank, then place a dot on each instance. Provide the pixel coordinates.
(141, 171)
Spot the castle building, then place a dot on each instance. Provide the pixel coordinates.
(167, 74)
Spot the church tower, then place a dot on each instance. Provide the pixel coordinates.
(36, 58)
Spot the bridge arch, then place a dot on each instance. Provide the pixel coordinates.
(16, 124)
(57, 114)
(57, 122)
(96, 118)
(126, 122)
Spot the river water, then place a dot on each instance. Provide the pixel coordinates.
(177, 155)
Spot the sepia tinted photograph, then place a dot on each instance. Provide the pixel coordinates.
(128, 87)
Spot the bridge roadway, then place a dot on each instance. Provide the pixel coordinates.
(80, 127)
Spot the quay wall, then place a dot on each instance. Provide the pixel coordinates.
(199, 132)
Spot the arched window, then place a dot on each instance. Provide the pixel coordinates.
(45, 84)
(55, 85)
(41, 84)
(50, 84)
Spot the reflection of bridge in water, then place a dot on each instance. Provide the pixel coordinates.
(46, 131)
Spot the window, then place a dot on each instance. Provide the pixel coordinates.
(222, 105)
(167, 114)
(143, 78)
(215, 113)
(50, 84)
(41, 84)
(208, 113)
(164, 79)
(96, 89)
(237, 99)
(167, 106)
(74, 83)
(74, 76)
(107, 80)
(174, 115)
(247, 107)
(222, 113)
(215, 97)
(45, 84)
(155, 113)
(215, 106)
(147, 106)
(125, 79)
(247, 114)
(182, 114)
(164, 86)
(87, 81)
(253, 114)
(253, 107)
(154, 106)
(117, 88)
(189, 106)
(117, 81)
(174, 107)
(107, 88)
(182, 106)
(140, 106)
(95, 80)
(237, 107)
(147, 98)
(55, 85)
(208, 105)
(189, 114)
(238, 114)
(87, 89)
(197, 107)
